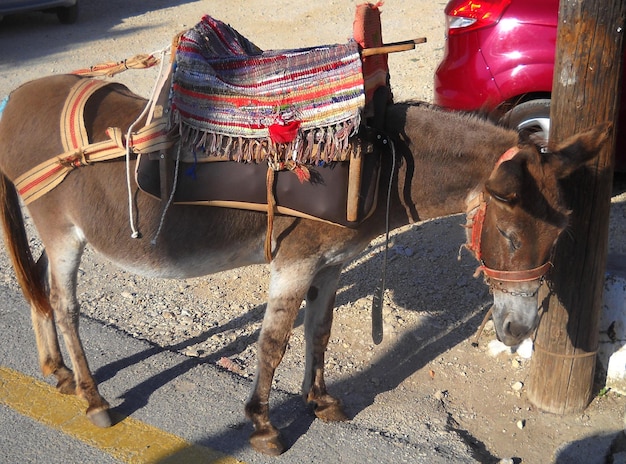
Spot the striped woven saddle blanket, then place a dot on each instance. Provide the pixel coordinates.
(231, 100)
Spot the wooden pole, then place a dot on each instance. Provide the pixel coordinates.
(586, 91)
(393, 47)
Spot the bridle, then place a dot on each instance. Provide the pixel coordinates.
(476, 213)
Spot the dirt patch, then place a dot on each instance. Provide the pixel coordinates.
(426, 373)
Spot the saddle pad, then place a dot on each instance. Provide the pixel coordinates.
(225, 88)
(243, 186)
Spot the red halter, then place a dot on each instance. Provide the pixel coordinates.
(476, 214)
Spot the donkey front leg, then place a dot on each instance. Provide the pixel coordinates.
(288, 285)
(320, 302)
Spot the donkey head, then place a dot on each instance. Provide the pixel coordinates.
(514, 226)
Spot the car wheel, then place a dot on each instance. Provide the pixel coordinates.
(530, 118)
(68, 14)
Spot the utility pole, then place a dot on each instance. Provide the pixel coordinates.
(586, 91)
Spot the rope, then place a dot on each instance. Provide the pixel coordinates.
(565, 356)
(135, 233)
(110, 69)
(171, 197)
(479, 332)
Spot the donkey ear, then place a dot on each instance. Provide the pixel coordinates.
(574, 152)
(505, 183)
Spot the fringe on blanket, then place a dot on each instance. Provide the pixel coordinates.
(315, 147)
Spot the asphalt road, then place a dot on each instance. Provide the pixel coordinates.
(197, 402)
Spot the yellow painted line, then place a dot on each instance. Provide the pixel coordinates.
(129, 440)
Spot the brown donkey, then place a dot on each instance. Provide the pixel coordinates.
(445, 163)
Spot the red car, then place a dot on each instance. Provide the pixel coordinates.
(499, 58)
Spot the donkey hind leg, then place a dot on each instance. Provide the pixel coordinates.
(50, 358)
(288, 285)
(320, 302)
(63, 269)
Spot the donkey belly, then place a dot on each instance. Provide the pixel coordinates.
(189, 245)
(204, 262)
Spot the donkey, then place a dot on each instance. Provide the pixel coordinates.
(445, 163)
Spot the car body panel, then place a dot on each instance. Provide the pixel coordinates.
(520, 69)
(467, 82)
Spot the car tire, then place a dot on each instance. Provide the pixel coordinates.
(68, 14)
(531, 118)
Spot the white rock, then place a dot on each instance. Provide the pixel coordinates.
(525, 349)
(495, 347)
(517, 386)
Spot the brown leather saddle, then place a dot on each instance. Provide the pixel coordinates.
(244, 185)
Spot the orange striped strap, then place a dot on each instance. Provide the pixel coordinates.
(78, 152)
(73, 132)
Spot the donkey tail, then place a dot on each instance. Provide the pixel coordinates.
(18, 248)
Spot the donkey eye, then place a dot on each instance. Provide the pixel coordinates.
(514, 242)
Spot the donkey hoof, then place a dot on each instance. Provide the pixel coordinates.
(100, 417)
(267, 441)
(330, 413)
(328, 409)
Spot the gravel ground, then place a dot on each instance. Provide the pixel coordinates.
(426, 374)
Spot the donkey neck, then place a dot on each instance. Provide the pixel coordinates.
(441, 158)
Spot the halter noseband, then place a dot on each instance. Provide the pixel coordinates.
(477, 211)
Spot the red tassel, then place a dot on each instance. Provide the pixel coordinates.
(303, 173)
(284, 133)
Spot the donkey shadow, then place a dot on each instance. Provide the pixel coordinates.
(456, 305)
(411, 351)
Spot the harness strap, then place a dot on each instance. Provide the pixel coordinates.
(79, 152)
(476, 213)
(73, 132)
